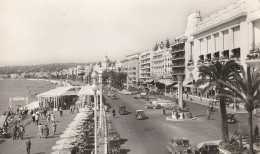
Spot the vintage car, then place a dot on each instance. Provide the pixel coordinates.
(114, 147)
(113, 134)
(152, 106)
(109, 94)
(231, 117)
(168, 105)
(126, 92)
(209, 148)
(140, 115)
(179, 145)
(122, 110)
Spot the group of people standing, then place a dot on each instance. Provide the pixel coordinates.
(43, 131)
(18, 132)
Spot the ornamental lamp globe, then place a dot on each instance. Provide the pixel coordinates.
(94, 87)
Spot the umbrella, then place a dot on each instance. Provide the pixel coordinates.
(61, 152)
(62, 146)
(66, 141)
(67, 135)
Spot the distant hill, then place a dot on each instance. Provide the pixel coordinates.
(56, 67)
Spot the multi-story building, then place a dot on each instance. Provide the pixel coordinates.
(229, 34)
(178, 57)
(145, 62)
(131, 67)
(161, 65)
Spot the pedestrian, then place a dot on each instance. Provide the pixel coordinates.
(52, 117)
(114, 113)
(60, 111)
(6, 124)
(15, 129)
(54, 126)
(36, 119)
(33, 117)
(28, 146)
(208, 112)
(77, 110)
(21, 131)
(48, 118)
(163, 111)
(70, 109)
(40, 130)
(73, 108)
(46, 131)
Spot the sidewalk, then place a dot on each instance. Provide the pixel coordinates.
(39, 146)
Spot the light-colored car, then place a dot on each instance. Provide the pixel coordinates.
(140, 115)
(126, 92)
(152, 106)
(109, 94)
(113, 134)
(179, 145)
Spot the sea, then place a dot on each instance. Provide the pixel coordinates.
(17, 88)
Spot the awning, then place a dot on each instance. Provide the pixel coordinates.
(86, 90)
(167, 82)
(149, 81)
(203, 86)
(187, 83)
(32, 105)
(55, 92)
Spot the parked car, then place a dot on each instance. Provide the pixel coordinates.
(179, 145)
(126, 92)
(109, 94)
(152, 106)
(114, 147)
(140, 115)
(122, 110)
(113, 134)
(231, 117)
(209, 148)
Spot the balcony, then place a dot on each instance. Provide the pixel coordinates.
(190, 65)
(253, 59)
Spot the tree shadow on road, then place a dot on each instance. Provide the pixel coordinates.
(124, 151)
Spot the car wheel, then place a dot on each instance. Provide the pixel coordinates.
(145, 107)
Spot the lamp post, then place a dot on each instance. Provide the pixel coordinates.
(94, 87)
(101, 102)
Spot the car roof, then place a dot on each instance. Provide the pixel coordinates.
(139, 110)
(179, 139)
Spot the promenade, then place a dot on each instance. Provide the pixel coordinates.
(39, 146)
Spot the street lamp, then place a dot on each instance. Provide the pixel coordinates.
(101, 102)
(94, 87)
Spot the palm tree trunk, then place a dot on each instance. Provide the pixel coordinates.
(250, 122)
(224, 125)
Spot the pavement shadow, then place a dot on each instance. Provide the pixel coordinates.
(124, 151)
(123, 141)
(39, 153)
(199, 115)
(27, 137)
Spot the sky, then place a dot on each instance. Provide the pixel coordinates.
(60, 31)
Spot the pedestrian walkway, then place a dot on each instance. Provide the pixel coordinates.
(39, 146)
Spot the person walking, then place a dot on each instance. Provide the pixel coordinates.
(52, 117)
(21, 131)
(40, 130)
(33, 117)
(163, 111)
(46, 131)
(28, 146)
(70, 109)
(36, 119)
(54, 126)
(48, 118)
(61, 112)
(208, 113)
(15, 131)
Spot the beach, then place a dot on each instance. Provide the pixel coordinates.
(21, 88)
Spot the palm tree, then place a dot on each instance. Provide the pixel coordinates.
(211, 74)
(245, 85)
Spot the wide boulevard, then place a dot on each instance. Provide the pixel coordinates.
(150, 136)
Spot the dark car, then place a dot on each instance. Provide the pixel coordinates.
(231, 117)
(209, 148)
(122, 110)
(114, 147)
(179, 145)
(113, 135)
